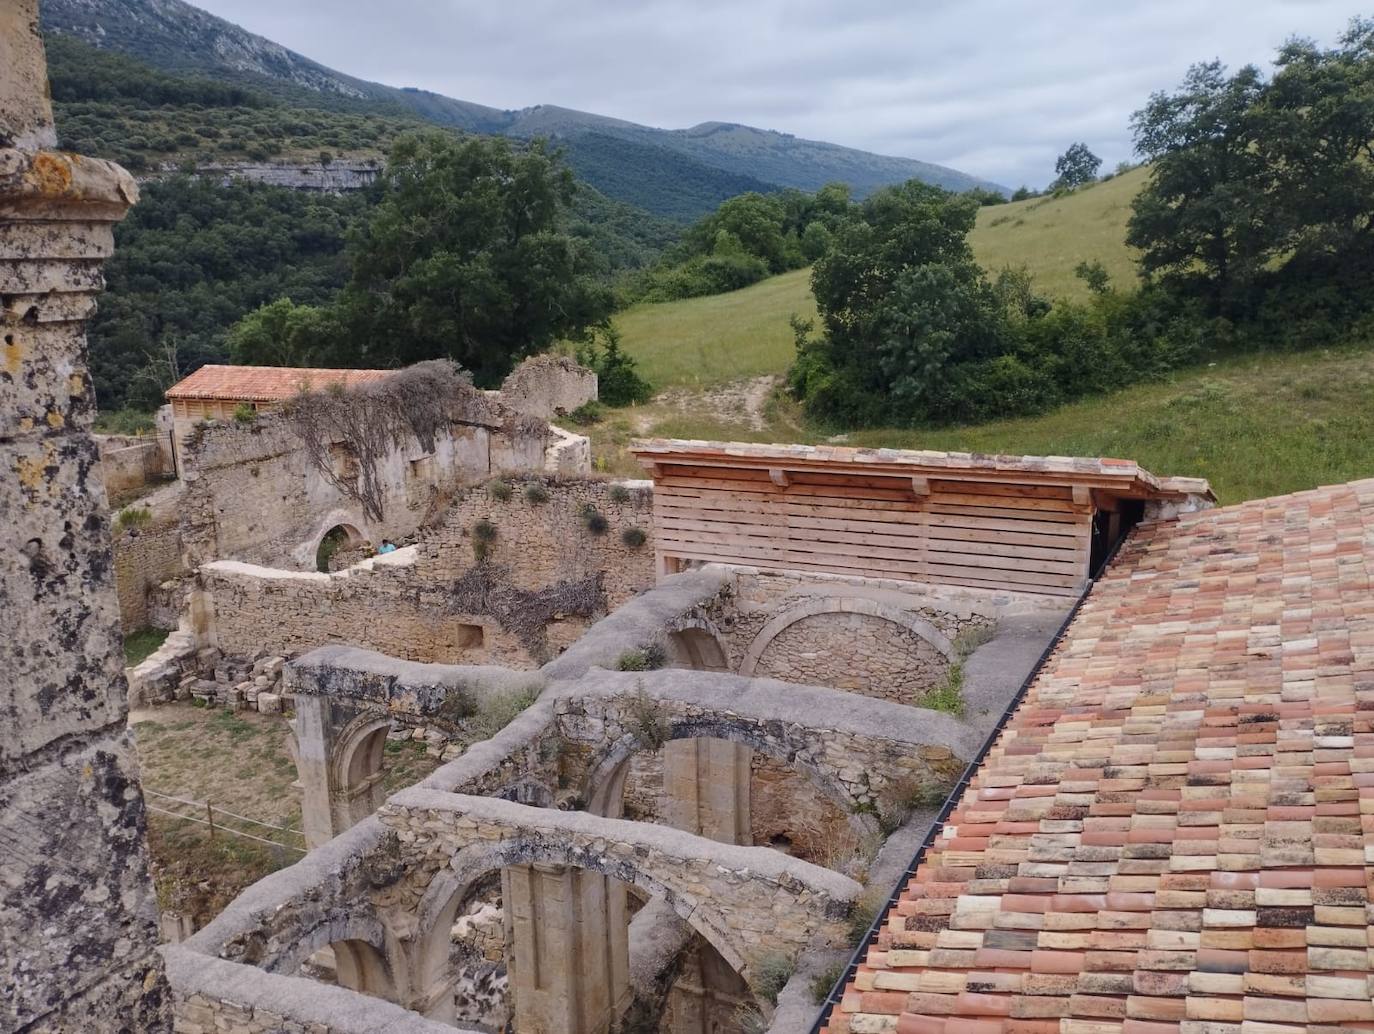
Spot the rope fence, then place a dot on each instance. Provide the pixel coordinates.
(204, 813)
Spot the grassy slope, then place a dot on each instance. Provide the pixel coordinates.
(1255, 426)
(1051, 236)
(704, 342)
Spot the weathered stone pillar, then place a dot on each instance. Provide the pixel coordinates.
(77, 910)
(567, 949)
(706, 788)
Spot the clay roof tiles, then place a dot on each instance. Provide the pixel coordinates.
(1175, 831)
(265, 383)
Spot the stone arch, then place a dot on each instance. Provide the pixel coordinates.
(697, 645)
(356, 768)
(368, 957)
(860, 605)
(605, 784)
(455, 883)
(348, 536)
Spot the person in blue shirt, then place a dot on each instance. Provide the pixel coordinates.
(387, 546)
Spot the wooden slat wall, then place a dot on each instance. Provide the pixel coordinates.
(1027, 538)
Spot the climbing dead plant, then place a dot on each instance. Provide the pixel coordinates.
(347, 433)
(485, 590)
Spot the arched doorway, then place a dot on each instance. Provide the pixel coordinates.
(340, 539)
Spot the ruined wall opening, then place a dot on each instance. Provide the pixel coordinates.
(737, 791)
(336, 544)
(697, 648)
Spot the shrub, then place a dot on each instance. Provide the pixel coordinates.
(948, 696)
(457, 705)
(244, 413)
(651, 729)
(645, 658)
(587, 414)
(593, 520)
(536, 494)
(618, 494)
(770, 976)
(483, 536)
(824, 982)
(634, 537)
(496, 712)
(617, 382)
(133, 517)
(499, 490)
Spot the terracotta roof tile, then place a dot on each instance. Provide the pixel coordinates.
(265, 383)
(1175, 830)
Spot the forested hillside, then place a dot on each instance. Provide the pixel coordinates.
(678, 173)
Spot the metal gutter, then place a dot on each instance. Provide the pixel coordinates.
(856, 958)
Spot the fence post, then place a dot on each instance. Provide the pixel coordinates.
(210, 816)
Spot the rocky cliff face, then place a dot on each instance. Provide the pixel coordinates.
(338, 177)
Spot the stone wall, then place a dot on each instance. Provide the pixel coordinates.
(378, 604)
(129, 464)
(144, 558)
(543, 535)
(549, 386)
(252, 493)
(78, 950)
(747, 901)
(863, 653)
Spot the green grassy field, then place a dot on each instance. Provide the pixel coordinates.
(1051, 236)
(703, 342)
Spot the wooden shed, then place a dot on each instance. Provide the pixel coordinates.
(1019, 523)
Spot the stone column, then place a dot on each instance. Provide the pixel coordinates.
(77, 909)
(706, 788)
(567, 949)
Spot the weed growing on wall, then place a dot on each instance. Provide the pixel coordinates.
(634, 537)
(348, 433)
(536, 494)
(486, 590)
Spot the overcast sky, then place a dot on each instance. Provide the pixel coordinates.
(992, 87)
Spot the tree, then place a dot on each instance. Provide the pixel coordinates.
(903, 306)
(464, 257)
(1201, 218)
(1077, 166)
(284, 334)
(1315, 131)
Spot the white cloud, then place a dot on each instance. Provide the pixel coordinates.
(991, 87)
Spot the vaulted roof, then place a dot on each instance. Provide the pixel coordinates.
(1175, 830)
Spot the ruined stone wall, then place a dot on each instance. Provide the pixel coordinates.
(857, 652)
(252, 493)
(77, 909)
(748, 901)
(549, 386)
(129, 464)
(378, 604)
(890, 640)
(544, 534)
(144, 558)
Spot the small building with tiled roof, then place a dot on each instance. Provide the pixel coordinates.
(1173, 833)
(217, 392)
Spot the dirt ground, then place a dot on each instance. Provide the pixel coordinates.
(240, 762)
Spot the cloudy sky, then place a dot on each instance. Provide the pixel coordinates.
(993, 87)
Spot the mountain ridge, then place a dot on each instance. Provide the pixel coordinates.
(176, 36)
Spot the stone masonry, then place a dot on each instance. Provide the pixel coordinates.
(76, 903)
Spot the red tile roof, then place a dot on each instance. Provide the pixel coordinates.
(1175, 832)
(265, 383)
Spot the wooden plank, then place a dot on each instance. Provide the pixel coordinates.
(1003, 502)
(943, 485)
(900, 490)
(1009, 514)
(983, 582)
(908, 537)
